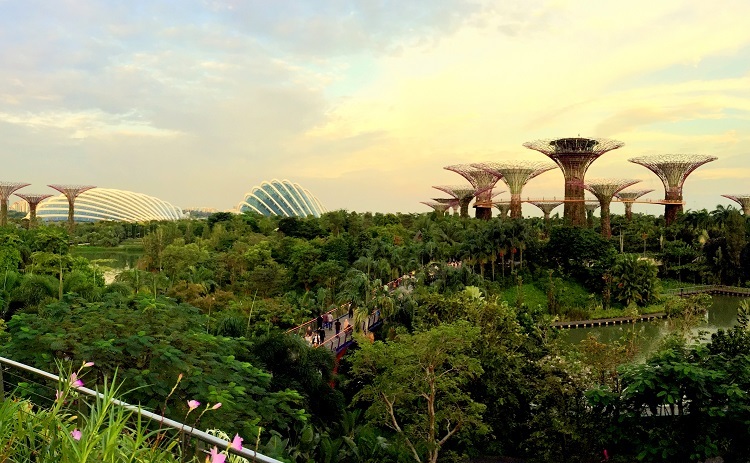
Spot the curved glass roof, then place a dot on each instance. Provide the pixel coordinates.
(109, 204)
(281, 197)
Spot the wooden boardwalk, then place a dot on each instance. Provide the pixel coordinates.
(608, 321)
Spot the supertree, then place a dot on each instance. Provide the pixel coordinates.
(463, 193)
(515, 174)
(628, 197)
(7, 189)
(453, 203)
(673, 170)
(503, 207)
(440, 208)
(605, 189)
(574, 156)
(547, 207)
(743, 200)
(590, 207)
(71, 192)
(483, 183)
(33, 200)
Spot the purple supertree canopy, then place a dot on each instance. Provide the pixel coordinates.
(71, 191)
(7, 189)
(33, 198)
(605, 188)
(515, 174)
(480, 179)
(631, 195)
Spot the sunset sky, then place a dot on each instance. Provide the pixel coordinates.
(364, 102)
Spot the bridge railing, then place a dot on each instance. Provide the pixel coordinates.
(18, 372)
(687, 290)
(347, 335)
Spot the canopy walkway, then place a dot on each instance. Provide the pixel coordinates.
(339, 342)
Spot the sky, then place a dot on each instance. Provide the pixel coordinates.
(364, 102)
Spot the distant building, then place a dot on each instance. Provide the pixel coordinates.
(109, 204)
(283, 198)
(19, 206)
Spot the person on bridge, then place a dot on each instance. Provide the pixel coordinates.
(319, 321)
(321, 336)
(337, 325)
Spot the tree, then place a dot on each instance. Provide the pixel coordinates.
(634, 280)
(416, 386)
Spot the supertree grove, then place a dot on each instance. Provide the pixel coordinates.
(439, 208)
(547, 207)
(483, 183)
(463, 193)
(672, 170)
(574, 156)
(605, 189)
(515, 174)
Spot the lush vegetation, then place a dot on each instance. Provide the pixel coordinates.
(464, 366)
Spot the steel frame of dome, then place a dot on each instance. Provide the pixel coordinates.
(283, 198)
(109, 204)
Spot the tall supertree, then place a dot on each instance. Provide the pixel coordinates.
(7, 189)
(590, 207)
(463, 193)
(440, 208)
(547, 207)
(33, 200)
(628, 197)
(515, 174)
(743, 200)
(574, 156)
(452, 203)
(673, 170)
(503, 207)
(483, 182)
(71, 192)
(605, 189)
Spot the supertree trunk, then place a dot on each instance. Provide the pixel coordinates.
(672, 210)
(604, 220)
(629, 212)
(4, 213)
(515, 206)
(464, 204)
(483, 213)
(574, 209)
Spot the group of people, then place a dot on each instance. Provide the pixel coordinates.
(325, 322)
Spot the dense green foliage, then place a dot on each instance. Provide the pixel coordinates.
(464, 365)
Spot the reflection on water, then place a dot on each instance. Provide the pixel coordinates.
(722, 314)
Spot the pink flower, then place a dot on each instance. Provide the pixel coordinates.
(75, 434)
(217, 457)
(88, 364)
(237, 442)
(193, 404)
(216, 405)
(74, 381)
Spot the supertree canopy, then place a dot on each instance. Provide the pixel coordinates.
(451, 202)
(503, 207)
(628, 197)
(463, 193)
(547, 207)
(7, 189)
(743, 200)
(590, 207)
(515, 174)
(483, 182)
(33, 200)
(574, 156)
(440, 208)
(673, 170)
(71, 192)
(604, 189)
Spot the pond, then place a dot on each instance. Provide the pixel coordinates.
(111, 261)
(722, 314)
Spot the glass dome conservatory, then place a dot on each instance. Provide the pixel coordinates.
(109, 204)
(281, 197)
